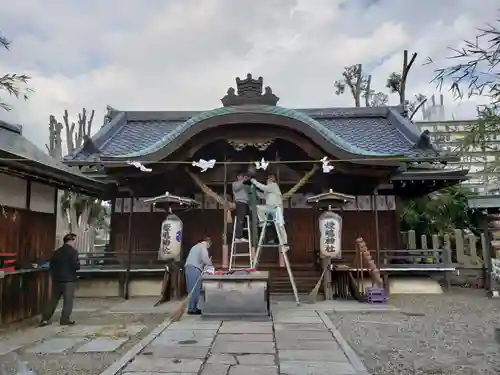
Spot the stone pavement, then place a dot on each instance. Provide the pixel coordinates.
(103, 336)
(298, 341)
(106, 330)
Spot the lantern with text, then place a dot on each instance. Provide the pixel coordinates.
(171, 227)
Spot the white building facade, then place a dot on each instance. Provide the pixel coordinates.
(448, 135)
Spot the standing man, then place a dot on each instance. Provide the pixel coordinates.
(271, 192)
(241, 199)
(63, 266)
(197, 259)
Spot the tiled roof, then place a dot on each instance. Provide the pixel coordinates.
(380, 131)
(19, 148)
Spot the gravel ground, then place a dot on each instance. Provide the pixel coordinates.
(69, 362)
(450, 334)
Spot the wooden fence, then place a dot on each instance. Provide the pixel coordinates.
(467, 250)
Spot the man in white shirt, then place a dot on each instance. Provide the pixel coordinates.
(271, 193)
(196, 261)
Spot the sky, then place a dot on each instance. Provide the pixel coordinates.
(184, 54)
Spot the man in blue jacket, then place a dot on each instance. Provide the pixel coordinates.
(63, 266)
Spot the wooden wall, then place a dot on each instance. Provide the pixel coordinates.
(29, 234)
(302, 230)
(28, 229)
(23, 294)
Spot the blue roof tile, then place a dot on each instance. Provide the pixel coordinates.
(364, 131)
(135, 136)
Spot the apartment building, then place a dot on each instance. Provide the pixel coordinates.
(449, 134)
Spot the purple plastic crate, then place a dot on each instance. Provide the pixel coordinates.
(375, 295)
(374, 291)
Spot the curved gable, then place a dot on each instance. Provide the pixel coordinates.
(292, 119)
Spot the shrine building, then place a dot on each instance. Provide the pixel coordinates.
(374, 151)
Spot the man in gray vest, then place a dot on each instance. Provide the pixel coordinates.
(196, 261)
(241, 200)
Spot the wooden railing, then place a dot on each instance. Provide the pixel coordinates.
(466, 249)
(102, 259)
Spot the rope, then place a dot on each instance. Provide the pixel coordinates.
(185, 162)
(230, 205)
(301, 183)
(203, 187)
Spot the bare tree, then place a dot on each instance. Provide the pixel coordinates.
(79, 212)
(414, 106)
(397, 81)
(12, 83)
(359, 87)
(379, 99)
(352, 77)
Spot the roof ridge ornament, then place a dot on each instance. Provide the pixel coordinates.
(249, 91)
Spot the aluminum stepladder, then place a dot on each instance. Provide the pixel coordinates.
(234, 254)
(282, 248)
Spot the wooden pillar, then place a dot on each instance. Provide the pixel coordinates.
(28, 197)
(280, 254)
(129, 249)
(225, 249)
(377, 229)
(112, 235)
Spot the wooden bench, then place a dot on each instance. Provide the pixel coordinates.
(417, 261)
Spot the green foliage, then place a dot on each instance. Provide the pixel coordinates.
(394, 82)
(476, 71)
(440, 212)
(359, 86)
(12, 83)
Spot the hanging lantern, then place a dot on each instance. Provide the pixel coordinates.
(171, 238)
(330, 229)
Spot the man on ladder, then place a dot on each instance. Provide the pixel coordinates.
(241, 199)
(274, 204)
(272, 212)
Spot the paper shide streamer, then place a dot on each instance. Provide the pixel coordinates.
(204, 165)
(327, 168)
(139, 166)
(262, 164)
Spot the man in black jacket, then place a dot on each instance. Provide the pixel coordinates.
(63, 266)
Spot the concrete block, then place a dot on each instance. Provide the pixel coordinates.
(55, 345)
(246, 327)
(244, 347)
(307, 345)
(244, 337)
(314, 368)
(102, 344)
(336, 355)
(257, 359)
(225, 359)
(299, 327)
(173, 365)
(194, 352)
(254, 370)
(304, 335)
(215, 369)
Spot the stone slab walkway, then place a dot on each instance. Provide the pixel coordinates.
(298, 341)
(106, 329)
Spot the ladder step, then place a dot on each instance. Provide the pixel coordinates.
(242, 255)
